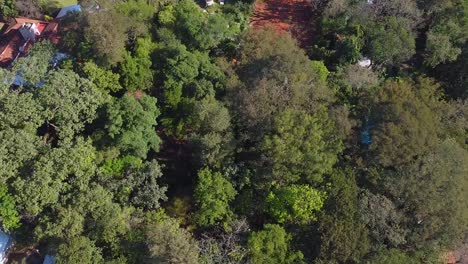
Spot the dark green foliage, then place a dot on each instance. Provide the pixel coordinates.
(7, 8)
(211, 138)
(131, 125)
(392, 42)
(407, 124)
(343, 235)
(431, 188)
(391, 256)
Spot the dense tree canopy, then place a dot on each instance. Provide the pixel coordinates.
(176, 131)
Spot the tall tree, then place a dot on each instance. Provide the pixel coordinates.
(131, 125)
(212, 196)
(407, 124)
(301, 147)
(272, 245)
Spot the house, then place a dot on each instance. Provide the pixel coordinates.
(22, 32)
(6, 243)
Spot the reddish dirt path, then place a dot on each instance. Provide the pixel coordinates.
(286, 16)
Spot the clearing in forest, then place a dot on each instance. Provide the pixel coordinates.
(286, 16)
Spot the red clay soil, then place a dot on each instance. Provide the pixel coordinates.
(286, 16)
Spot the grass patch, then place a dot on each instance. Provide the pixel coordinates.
(50, 5)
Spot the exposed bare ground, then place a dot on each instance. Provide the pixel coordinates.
(286, 16)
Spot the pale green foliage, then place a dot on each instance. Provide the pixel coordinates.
(56, 171)
(131, 124)
(212, 196)
(20, 116)
(9, 216)
(168, 243)
(301, 147)
(295, 203)
(384, 221)
(271, 245)
(79, 250)
(103, 79)
(146, 192)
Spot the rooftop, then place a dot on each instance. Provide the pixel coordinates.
(15, 39)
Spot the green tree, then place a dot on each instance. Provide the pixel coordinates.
(9, 216)
(33, 69)
(421, 189)
(343, 235)
(79, 250)
(103, 79)
(407, 123)
(271, 245)
(69, 102)
(54, 172)
(20, 117)
(392, 42)
(447, 33)
(295, 203)
(301, 147)
(136, 70)
(146, 191)
(106, 31)
(131, 125)
(212, 138)
(391, 256)
(212, 196)
(274, 75)
(8, 8)
(171, 244)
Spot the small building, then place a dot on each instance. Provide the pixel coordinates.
(6, 242)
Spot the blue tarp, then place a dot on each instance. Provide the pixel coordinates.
(48, 259)
(68, 9)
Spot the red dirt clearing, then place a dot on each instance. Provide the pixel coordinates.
(286, 16)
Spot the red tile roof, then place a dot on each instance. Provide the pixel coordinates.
(11, 39)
